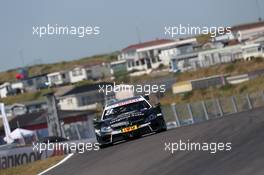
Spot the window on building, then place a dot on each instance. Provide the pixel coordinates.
(85, 100)
(63, 75)
(137, 63)
(153, 60)
(69, 101)
(77, 72)
(131, 54)
(142, 61)
(55, 78)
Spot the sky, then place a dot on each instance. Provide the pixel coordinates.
(121, 23)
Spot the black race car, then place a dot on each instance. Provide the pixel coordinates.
(127, 118)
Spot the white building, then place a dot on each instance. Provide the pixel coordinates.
(251, 51)
(223, 38)
(184, 62)
(58, 78)
(166, 55)
(98, 71)
(77, 74)
(18, 87)
(5, 90)
(86, 97)
(219, 55)
(210, 57)
(150, 55)
(92, 72)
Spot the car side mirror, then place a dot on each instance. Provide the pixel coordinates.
(146, 97)
(96, 120)
(96, 123)
(158, 107)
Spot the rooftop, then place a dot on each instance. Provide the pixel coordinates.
(86, 88)
(248, 26)
(147, 44)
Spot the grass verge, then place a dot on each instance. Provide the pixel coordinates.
(30, 96)
(251, 86)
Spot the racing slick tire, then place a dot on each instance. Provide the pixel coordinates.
(163, 127)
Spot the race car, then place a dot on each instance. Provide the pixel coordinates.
(132, 117)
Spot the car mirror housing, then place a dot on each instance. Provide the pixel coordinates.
(96, 122)
(146, 97)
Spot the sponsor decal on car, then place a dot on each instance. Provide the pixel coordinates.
(129, 129)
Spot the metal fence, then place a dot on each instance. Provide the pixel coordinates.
(177, 115)
(186, 114)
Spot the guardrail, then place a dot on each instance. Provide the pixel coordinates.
(238, 79)
(190, 113)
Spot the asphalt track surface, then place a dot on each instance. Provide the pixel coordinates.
(146, 156)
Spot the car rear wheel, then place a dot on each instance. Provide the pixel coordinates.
(163, 127)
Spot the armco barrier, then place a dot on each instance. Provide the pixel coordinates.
(19, 156)
(237, 79)
(24, 155)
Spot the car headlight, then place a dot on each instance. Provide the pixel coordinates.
(151, 117)
(106, 129)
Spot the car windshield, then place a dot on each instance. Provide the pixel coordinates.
(111, 113)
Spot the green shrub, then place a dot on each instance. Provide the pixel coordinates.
(258, 59)
(230, 68)
(187, 95)
(226, 87)
(243, 88)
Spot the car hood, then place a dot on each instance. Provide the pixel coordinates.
(127, 118)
